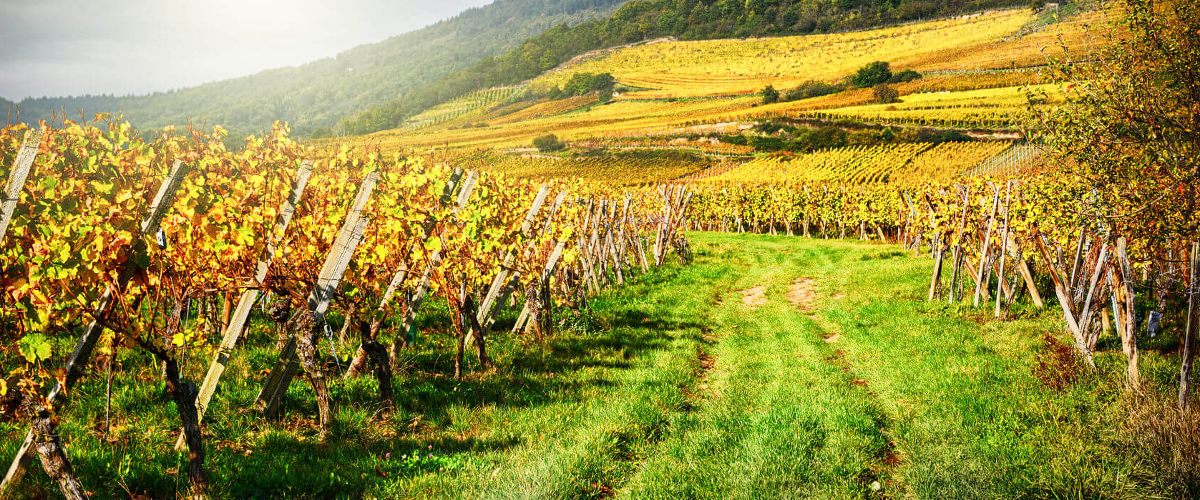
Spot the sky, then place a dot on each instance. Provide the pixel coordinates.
(76, 47)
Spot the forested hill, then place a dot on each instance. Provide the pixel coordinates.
(320, 93)
(647, 19)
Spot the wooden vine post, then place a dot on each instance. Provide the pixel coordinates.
(939, 250)
(1085, 316)
(956, 276)
(1193, 324)
(427, 227)
(1125, 302)
(322, 293)
(1000, 293)
(16, 178)
(981, 282)
(1064, 301)
(91, 334)
(499, 289)
(435, 259)
(241, 314)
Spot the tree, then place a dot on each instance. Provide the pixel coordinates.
(1127, 137)
(872, 74)
(548, 143)
(770, 95)
(885, 94)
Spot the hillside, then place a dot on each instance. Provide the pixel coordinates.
(650, 19)
(695, 109)
(320, 93)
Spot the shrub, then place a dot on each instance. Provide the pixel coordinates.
(886, 95)
(583, 83)
(954, 136)
(1057, 366)
(872, 74)
(548, 143)
(907, 75)
(811, 89)
(770, 95)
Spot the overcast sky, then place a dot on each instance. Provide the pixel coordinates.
(74, 47)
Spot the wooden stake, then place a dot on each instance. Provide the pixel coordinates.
(322, 293)
(16, 178)
(958, 246)
(418, 295)
(1064, 301)
(1000, 274)
(1123, 293)
(1193, 324)
(981, 280)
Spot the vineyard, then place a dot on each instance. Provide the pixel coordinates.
(618, 169)
(988, 108)
(976, 72)
(979, 282)
(899, 164)
(133, 246)
(727, 67)
(473, 104)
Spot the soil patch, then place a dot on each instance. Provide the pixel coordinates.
(802, 293)
(754, 297)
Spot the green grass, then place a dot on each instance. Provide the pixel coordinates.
(679, 391)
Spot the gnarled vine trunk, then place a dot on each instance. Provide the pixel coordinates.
(308, 334)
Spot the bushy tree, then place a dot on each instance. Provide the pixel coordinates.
(812, 89)
(770, 95)
(1127, 138)
(872, 74)
(885, 94)
(907, 75)
(548, 143)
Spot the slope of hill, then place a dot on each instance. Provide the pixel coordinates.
(671, 108)
(719, 67)
(704, 98)
(319, 93)
(649, 19)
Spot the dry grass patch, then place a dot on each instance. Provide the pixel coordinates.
(802, 293)
(754, 297)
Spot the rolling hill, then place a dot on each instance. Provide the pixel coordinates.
(320, 93)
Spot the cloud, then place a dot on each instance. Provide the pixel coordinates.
(74, 47)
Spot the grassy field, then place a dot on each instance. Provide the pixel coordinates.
(774, 367)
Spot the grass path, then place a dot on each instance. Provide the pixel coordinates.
(773, 367)
(872, 392)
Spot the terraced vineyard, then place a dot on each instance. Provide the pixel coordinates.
(474, 104)
(900, 163)
(999, 107)
(612, 170)
(737, 67)
(710, 87)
